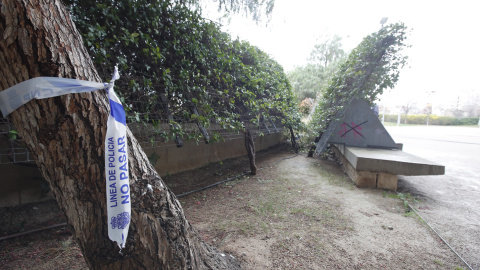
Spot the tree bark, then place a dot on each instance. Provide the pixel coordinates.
(293, 140)
(250, 146)
(66, 137)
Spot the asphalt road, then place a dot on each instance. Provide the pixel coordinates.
(450, 203)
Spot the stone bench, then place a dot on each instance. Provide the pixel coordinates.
(379, 168)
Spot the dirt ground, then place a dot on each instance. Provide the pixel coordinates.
(296, 213)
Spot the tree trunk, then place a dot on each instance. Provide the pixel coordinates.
(293, 140)
(250, 146)
(66, 136)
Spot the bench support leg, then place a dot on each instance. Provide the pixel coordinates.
(367, 179)
(387, 181)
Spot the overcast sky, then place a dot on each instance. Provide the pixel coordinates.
(445, 39)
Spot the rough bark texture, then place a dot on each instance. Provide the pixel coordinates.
(250, 146)
(66, 136)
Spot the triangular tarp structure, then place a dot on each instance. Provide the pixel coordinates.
(359, 127)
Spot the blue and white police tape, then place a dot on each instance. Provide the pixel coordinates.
(43, 87)
(116, 169)
(116, 149)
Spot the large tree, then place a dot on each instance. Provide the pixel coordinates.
(66, 136)
(372, 67)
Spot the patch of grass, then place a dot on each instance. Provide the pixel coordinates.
(264, 180)
(405, 197)
(411, 214)
(266, 208)
(297, 211)
(66, 246)
(307, 214)
(324, 215)
(438, 262)
(264, 226)
(236, 181)
(278, 204)
(402, 196)
(283, 245)
(333, 178)
(247, 227)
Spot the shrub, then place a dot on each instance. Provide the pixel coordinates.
(421, 119)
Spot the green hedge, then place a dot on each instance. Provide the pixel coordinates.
(421, 119)
(164, 48)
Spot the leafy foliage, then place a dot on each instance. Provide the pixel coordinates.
(327, 52)
(306, 106)
(373, 66)
(12, 135)
(306, 81)
(165, 49)
(310, 80)
(250, 8)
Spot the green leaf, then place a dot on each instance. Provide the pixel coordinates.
(12, 135)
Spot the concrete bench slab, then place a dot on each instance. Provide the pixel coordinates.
(390, 161)
(378, 168)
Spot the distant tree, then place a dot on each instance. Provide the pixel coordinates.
(472, 110)
(472, 105)
(408, 107)
(308, 81)
(327, 52)
(457, 113)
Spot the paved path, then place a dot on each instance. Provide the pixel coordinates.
(451, 202)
